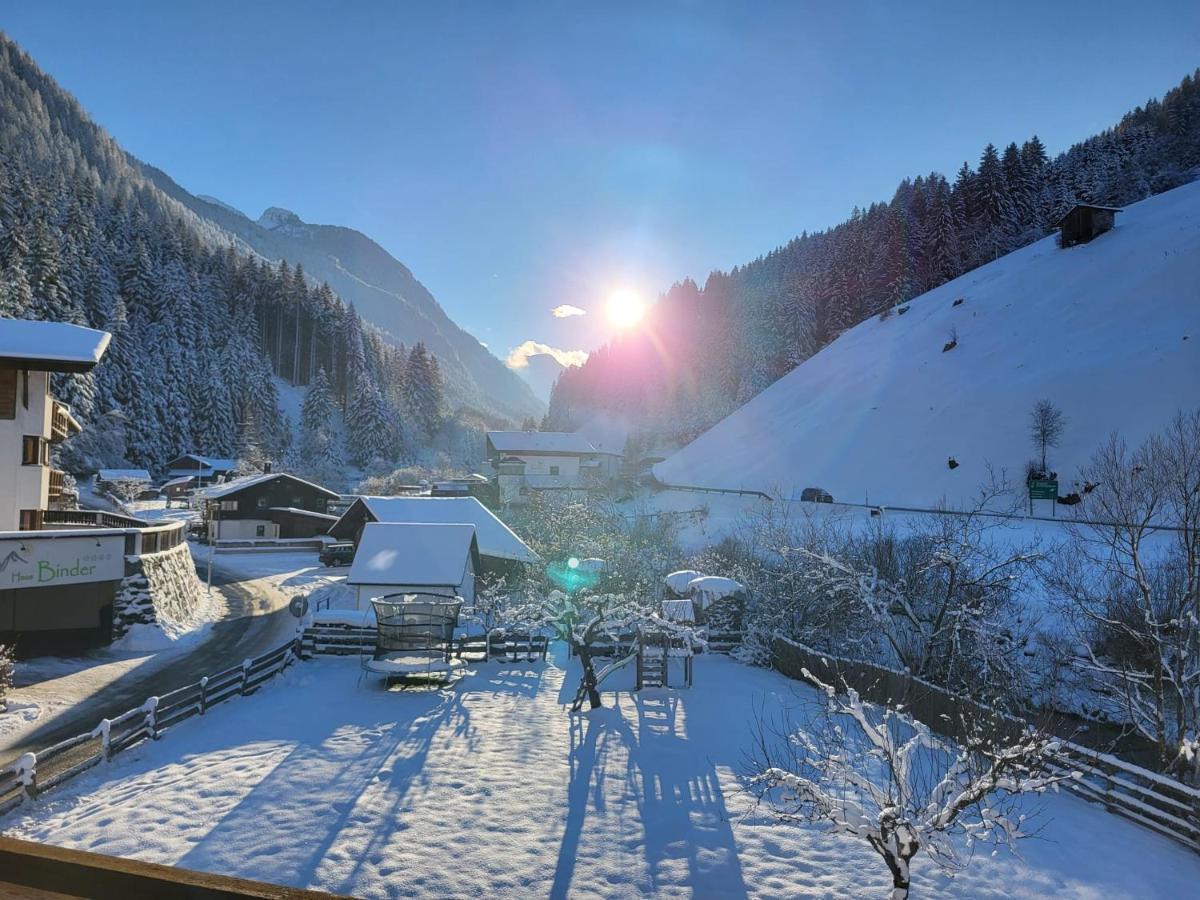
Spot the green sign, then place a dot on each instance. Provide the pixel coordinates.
(1043, 489)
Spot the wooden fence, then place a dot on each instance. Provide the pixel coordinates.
(34, 773)
(1148, 798)
(338, 639)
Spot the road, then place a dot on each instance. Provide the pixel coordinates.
(257, 620)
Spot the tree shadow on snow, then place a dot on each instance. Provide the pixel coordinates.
(674, 785)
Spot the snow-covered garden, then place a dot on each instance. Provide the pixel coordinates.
(325, 779)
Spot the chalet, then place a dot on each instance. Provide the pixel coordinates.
(179, 488)
(1084, 222)
(202, 468)
(501, 552)
(131, 482)
(542, 460)
(410, 558)
(270, 505)
(30, 418)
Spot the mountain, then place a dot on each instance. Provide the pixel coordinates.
(540, 372)
(382, 290)
(704, 351)
(204, 327)
(1108, 331)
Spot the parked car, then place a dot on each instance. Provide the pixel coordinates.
(340, 554)
(816, 495)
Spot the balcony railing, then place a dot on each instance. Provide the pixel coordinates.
(88, 518)
(61, 423)
(56, 484)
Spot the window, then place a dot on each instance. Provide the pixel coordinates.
(229, 506)
(34, 451)
(31, 519)
(554, 470)
(261, 503)
(8, 393)
(260, 530)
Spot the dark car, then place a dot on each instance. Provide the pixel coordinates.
(337, 554)
(816, 495)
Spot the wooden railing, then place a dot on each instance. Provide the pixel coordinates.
(90, 518)
(57, 477)
(35, 773)
(60, 418)
(336, 639)
(1148, 798)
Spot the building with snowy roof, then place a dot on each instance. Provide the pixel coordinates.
(501, 552)
(269, 505)
(203, 468)
(541, 460)
(31, 419)
(414, 558)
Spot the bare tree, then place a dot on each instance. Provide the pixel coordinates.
(885, 778)
(942, 600)
(1130, 581)
(1046, 425)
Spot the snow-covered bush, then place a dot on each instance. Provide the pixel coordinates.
(885, 778)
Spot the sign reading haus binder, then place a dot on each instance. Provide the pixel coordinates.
(45, 562)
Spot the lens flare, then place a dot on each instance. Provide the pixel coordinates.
(625, 309)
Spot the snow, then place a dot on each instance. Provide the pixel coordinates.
(234, 485)
(495, 538)
(677, 582)
(411, 664)
(417, 554)
(18, 717)
(678, 611)
(708, 589)
(123, 475)
(1108, 331)
(540, 442)
(37, 341)
(488, 788)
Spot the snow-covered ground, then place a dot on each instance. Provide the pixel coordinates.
(490, 788)
(1108, 331)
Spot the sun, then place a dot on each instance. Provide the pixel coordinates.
(625, 309)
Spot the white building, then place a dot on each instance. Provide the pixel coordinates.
(541, 460)
(30, 418)
(410, 557)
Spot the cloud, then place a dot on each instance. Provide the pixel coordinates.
(562, 312)
(518, 357)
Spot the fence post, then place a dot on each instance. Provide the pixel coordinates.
(106, 739)
(27, 774)
(203, 694)
(245, 675)
(151, 707)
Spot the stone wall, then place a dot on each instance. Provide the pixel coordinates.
(159, 589)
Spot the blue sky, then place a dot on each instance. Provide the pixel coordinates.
(519, 156)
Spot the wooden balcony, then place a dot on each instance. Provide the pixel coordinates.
(62, 423)
(56, 484)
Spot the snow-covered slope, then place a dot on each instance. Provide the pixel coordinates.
(1108, 331)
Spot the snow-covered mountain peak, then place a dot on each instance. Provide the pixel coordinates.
(217, 201)
(278, 217)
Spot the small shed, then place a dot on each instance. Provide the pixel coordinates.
(411, 557)
(178, 488)
(1085, 221)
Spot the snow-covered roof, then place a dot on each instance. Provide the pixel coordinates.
(210, 462)
(413, 554)
(540, 442)
(233, 486)
(303, 512)
(495, 538)
(708, 589)
(677, 582)
(123, 475)
(175, 482)
(1075, 206)
(51, 346)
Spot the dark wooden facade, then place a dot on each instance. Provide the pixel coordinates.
(300, 523)
(1084, 222)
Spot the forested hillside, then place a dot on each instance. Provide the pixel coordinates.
(705, 351)
(200, 324)
(382, 289)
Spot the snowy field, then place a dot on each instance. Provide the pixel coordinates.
(491, 788)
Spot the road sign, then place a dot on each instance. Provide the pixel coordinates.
(299, 605)
(1043, 489)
